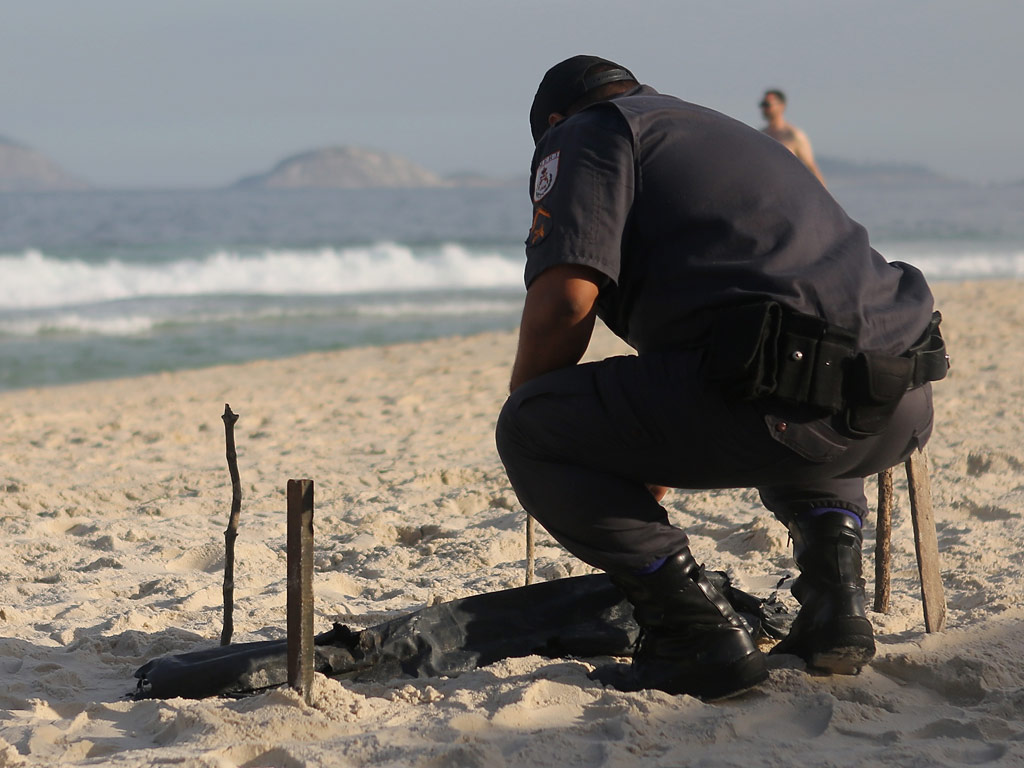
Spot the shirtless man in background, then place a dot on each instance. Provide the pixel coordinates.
(773, 107)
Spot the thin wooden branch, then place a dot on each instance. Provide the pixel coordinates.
(231, 533)
(529, 549)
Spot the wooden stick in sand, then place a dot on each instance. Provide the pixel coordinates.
(925, 541)
(231, 533)
(883, 542)
(300, 587)
(529, 549)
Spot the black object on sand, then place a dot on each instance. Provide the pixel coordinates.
(582, 616)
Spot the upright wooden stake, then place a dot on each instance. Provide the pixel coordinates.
(300, 587)
(926, 542)
(231, 533)
(883, 542)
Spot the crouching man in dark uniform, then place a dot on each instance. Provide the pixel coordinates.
(776, 350)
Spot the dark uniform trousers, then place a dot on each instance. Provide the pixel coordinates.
(579, 444)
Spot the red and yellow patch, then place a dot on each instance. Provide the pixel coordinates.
(541, 225)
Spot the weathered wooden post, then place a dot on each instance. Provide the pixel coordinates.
(933, 598)
(925, 541)
(883, 542)
(300, 587)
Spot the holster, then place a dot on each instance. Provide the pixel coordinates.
(760, 351)
(876, 383)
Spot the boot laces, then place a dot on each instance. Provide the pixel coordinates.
(638, 644)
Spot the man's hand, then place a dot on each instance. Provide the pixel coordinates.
(657, 491)
(558, 321)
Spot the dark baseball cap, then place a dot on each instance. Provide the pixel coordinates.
(566, 83)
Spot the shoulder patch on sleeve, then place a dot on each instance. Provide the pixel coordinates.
(540, 227)
(547, 172)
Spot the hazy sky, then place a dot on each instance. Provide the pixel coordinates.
(130, 93)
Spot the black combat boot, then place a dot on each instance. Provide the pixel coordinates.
(692, 640)
(831, 632)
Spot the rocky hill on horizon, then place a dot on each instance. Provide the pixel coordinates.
(349, 167)
(344, 167)
(23, 169)
(850, 172)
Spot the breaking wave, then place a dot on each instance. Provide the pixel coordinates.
(37, 280)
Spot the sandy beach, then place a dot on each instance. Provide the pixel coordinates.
(114, 497)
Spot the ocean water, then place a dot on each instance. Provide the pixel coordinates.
(98, 285)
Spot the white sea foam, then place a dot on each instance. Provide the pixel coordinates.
(164, 314)
(63, 323)
(34, 280)
(440, 309)
(973, 266)
(951, 261)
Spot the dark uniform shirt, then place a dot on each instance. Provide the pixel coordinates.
(684, 211)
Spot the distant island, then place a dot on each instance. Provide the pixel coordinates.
(848, 172)
(23, 169)
(347, 167)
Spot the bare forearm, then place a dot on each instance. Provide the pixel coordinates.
(558, 320)
(544, 348)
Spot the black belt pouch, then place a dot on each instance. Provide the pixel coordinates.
(875, 384)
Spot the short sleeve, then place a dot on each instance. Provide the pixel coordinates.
(582, 188)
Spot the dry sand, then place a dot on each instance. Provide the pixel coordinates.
(114, 497)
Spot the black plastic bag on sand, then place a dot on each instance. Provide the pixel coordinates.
(582, 616)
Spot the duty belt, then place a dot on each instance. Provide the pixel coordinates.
(760, 351)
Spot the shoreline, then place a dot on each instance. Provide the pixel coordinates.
(114, 496)
(937, 287)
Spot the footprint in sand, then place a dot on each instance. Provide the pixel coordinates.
(804, 719)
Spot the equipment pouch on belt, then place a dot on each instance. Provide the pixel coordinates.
(812, 356)
(876, 383)
(764, 350)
